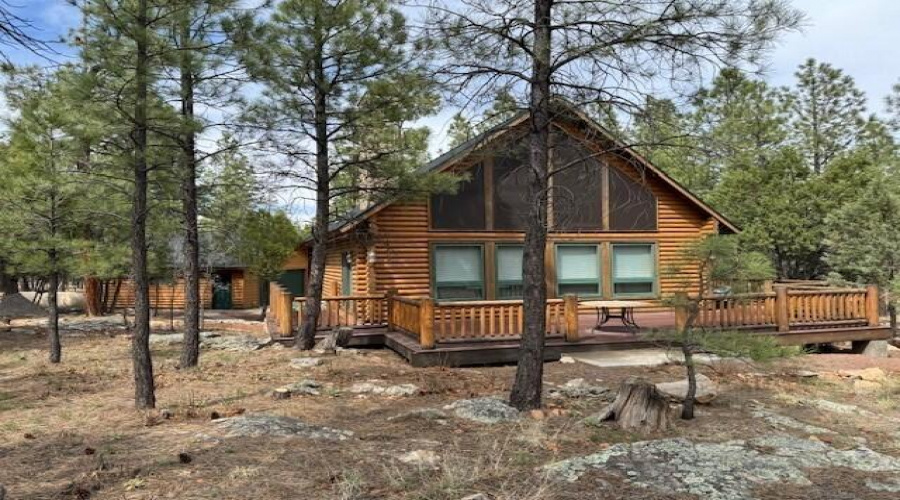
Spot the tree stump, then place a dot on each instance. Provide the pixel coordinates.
(339, 337)
(638, 406)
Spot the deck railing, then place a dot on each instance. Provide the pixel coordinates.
(491, 320)
(789, 308)
(280, 309)
(357, 311)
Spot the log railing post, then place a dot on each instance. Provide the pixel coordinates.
(570, 307)
(782, 309)
(873, 318)
(286, 320)
(682, 310)
(390, 306)
(426, 323)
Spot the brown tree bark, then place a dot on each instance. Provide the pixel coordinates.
(53, 310)
(687, 407)
(526, 389)
(306, 336)
(8, 284)
(92, 296)
(144, 394)
(190, 352)
(638, 406)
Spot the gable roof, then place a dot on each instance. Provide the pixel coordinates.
(460, 152)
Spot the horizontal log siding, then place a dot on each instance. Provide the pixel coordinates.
(332, 286)
(163, 295)
(403, 238)
(244, 290)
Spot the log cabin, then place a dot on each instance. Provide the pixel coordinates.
(439, 279)
(617, 224)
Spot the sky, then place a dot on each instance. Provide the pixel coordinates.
(860, 37)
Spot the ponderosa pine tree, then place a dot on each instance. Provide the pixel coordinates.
(590, 52)
(119, 40)
(41, 191)
(828, 112)
(331, 73)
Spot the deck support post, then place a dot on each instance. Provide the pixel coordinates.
(389, 303)
(872, 315)
(287, 303)
(782, 313)
(426, 323)
(570, 307)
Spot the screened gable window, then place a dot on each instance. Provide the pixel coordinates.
(577, 199)
(458, 272)
(463, 209)
(632, 206)
(509, 272)
(511, 203)
(634, 269)
(578, 270)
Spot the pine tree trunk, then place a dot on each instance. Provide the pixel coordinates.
(92, 296)
(8, 284)
(687, 407)
(892, 315)
(527, 386)
(53, 309)
(190, 353)
(306, 337)
(144, 394)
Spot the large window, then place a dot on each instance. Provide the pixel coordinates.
(577, 197)
(458, 272)
(578, 269)
(509, 272)
(511, 203)
(634, 269)
(463, 209)
(632, 206)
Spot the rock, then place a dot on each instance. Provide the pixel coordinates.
(422, 413)
(871, 348)
(841, 408)
(890, 484)
(784, 422)
(805, 374)
(306, 362)
(400, 390)
(304, 387)
(484, 410)
(676, 391)
(273, 425)
(476, 496)
(579, 388)
(420, 458)
(566, 360)
(230, 342)
(721, 471)
(339, 337)
(873, 374)
(348, 352)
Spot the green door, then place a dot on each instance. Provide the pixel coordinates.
(295, 281)
(221, 298)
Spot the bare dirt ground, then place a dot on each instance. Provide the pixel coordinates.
(71, 431)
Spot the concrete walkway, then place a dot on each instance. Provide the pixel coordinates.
(636, 357)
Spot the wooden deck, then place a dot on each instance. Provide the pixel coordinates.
(613, 335)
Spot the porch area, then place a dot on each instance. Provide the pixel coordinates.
(429, 333)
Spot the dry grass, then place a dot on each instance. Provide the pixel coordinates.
(70, 430)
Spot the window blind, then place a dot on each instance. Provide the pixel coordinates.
(633, 262)
(577, 263)
(509, 263)
(457, 264)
